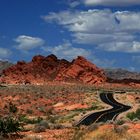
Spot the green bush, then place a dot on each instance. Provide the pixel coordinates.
(44, 123)
(134, 115)
(131, 115)
(38, 129)
(120, 122)
(24, 119)
(9, 125)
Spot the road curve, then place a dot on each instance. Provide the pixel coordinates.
(104, 115)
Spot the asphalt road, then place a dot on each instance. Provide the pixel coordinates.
(105, 115)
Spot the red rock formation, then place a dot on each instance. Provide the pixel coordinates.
(43, 69)
(83, 71)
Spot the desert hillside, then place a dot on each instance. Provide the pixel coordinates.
(50, 112)
(44, 69)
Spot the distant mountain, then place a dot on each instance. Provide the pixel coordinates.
(45, 69)
(120, 74)
(4, 65)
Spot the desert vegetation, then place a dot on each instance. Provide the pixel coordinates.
(107, 131)
(10, 125)
(134, 115)
(42, 112)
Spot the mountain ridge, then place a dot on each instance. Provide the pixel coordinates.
(44, 69)
(120, 74)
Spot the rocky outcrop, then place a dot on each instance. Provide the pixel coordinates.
(45, 69)
(83, 71)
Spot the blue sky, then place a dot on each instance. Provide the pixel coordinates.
(107, 32)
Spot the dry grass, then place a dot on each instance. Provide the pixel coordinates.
(111, 134)
(105, 132)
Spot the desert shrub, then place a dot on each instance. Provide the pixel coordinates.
(120, 130)
(52, 119)
(78, 135)
(41, 109)
(9, 125)
(120, 122)
(131, 115)
(41, 127)
(24, 119)
(134, 115)
(44, 123)
(12, 108)
(38, 129)
(29, 111)
(56, 126)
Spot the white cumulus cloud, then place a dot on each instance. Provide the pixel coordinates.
(97, 21)
(26, 43)
(4, 53)
(66, 50)
(128, 47)
(101, 28)
(111, 2)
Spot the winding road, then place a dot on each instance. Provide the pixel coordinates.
(105, 115)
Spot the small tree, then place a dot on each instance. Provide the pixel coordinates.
(9, 125)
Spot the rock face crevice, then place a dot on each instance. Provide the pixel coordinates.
(46, 69)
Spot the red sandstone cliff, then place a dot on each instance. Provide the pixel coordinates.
(83, 71)
(44, 69)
